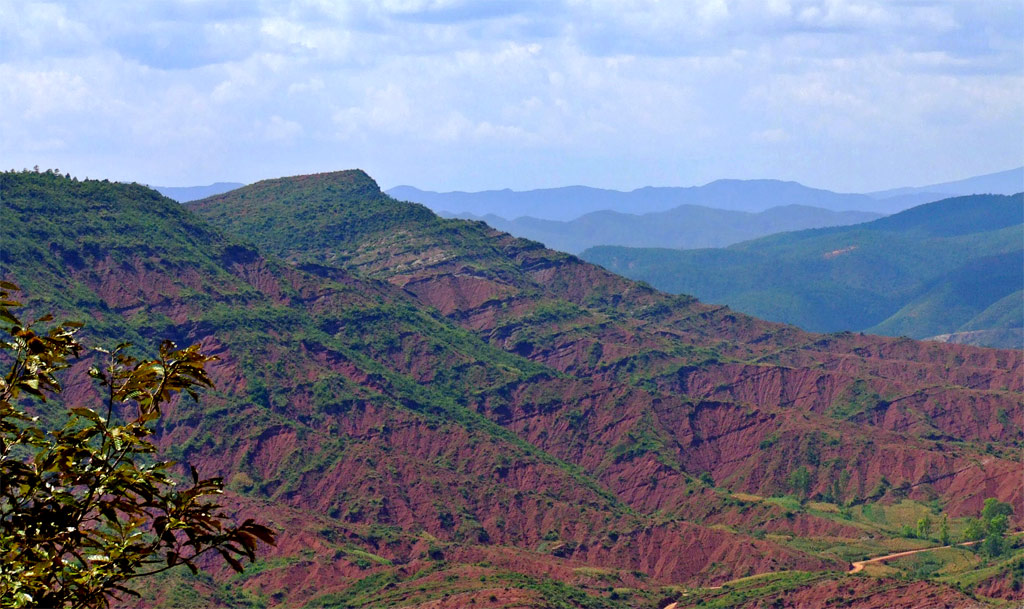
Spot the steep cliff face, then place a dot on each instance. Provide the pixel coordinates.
(435, 412)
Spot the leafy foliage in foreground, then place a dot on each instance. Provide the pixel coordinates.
(82, 510)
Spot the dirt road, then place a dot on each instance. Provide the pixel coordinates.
(859, 565)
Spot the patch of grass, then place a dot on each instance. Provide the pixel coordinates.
(644, 438)
(788, 503)
(855, 400)
(747, 497)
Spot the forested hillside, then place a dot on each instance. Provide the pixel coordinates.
(953, 266)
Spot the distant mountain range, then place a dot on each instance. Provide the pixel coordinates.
(571, 202)
(1006, 182)
(184, 194)
(953, 267)
(683, 227)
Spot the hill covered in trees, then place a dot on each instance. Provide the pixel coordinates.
(953, 267)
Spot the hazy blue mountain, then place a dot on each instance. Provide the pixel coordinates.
(184, 194)
(686, 226)
(1006, 182)
(564, 203)
(571, 202)
(574, 201)
(955, 265)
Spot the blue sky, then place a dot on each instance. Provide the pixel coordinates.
(850, 95)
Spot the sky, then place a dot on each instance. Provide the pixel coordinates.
(849, 95)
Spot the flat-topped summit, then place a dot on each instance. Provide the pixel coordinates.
(344, 180)
(322, 211)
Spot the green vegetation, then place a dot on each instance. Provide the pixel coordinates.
(644, 439)
(924, 527)
(855, 400)
(67, 227)
(332, 215)
(995, 522)
(800, 481)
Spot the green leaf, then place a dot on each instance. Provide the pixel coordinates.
(87, 413)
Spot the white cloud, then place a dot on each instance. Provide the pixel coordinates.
(609, 92)
(778, 8)
(387, 109)
(35, 96)
(36, 28)
(771, 136)
(847, 14)
(282, 130)
(311, 85)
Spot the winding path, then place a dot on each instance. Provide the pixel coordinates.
(858, 566)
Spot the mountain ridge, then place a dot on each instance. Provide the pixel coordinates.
(570, 202)
(184, 194)
(682, 227)
(1006, 182)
